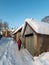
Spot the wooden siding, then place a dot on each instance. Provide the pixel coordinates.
(17, 35)
(31, 40)
(43, 43)
(29, 44)
(23, 42)
(36, 43)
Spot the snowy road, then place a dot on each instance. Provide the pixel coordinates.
(10, 55)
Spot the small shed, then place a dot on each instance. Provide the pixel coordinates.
(17, 33)
(36, 36)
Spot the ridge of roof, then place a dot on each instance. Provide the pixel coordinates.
(39, 27)
(18, 29)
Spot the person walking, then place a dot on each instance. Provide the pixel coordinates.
(19, 44)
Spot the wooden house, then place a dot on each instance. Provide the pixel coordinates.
(17, 33)
(7, 33)
(36, 36)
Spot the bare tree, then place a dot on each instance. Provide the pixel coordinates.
(5, 25)
(1, 24)
(45, 19)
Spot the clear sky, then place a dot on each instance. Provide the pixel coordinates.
(16, 11)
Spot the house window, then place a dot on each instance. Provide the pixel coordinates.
(29, 35)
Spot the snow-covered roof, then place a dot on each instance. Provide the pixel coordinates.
(18, 29)
(39, 27)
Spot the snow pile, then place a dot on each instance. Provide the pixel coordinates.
(43, 59)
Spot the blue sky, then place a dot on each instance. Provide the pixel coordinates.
(16, 11)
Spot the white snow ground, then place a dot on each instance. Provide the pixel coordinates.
(42, 59)
(10, 55)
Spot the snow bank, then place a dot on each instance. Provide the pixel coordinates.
(42, 59)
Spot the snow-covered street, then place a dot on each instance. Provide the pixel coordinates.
(10, 55)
